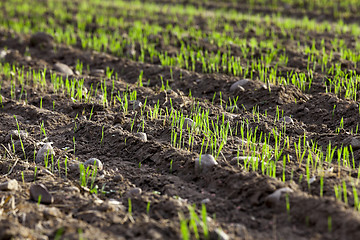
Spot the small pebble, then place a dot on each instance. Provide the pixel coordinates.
(355, 143)
(46, 150)
(3, 54)
(63, 68)
(9, 185)
(206, 163)
(239, 85)
(142, 136)
(188, 123)
(92, 161)
(118, 178)
(98, 72)
(288, 119)
(221, 234)
(39, 189)
(134, 192)
(136, 105)
(205, 201)
(14, 135)
(274, 198)
(312, 179)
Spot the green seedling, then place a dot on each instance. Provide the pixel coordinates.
(129, 207)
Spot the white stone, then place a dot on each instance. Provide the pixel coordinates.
(239, 85)
(92, 161)
(142, 136)
(63, 68)
(221, 234)
(205, 163)
(287, 119)
(134, 192)
(205, 201)
(274, 198)
(188, 123)
(9, 185)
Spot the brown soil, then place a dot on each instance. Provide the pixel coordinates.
(236, 197)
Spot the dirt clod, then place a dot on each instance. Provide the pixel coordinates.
(41, 39)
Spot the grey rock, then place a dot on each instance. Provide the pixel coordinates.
(98, 72)
(221, 234)
(188, 123)
(37, 190)
(130, 50)
(41, 39)
(3, 54)
(134, 192)
(15, 134)
(63, 68)
(119, 178)
(45, 152)
(274, 198)
(239, 85)
(136, 105)
(287, 119)
(142, 136)
(205, 201)
(205, 163)
(9, 185)
(92, 161)
(355, 143)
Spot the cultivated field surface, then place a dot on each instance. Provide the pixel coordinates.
(184, 120)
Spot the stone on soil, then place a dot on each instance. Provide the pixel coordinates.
(274, 198)
(355, 143)
(98, 72)
(288, 119)
(221, 234)
(205, 163)
(136, 105)
(3, 54)
(239, 85)
(39, 189)
(41, 38)
(205, 201)
(142, 136)
(9, 185)
(92, 161)
(134, 192)
(188, 123)
(63, 68)
(46, 151)
(119, 178)
(14, 134)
